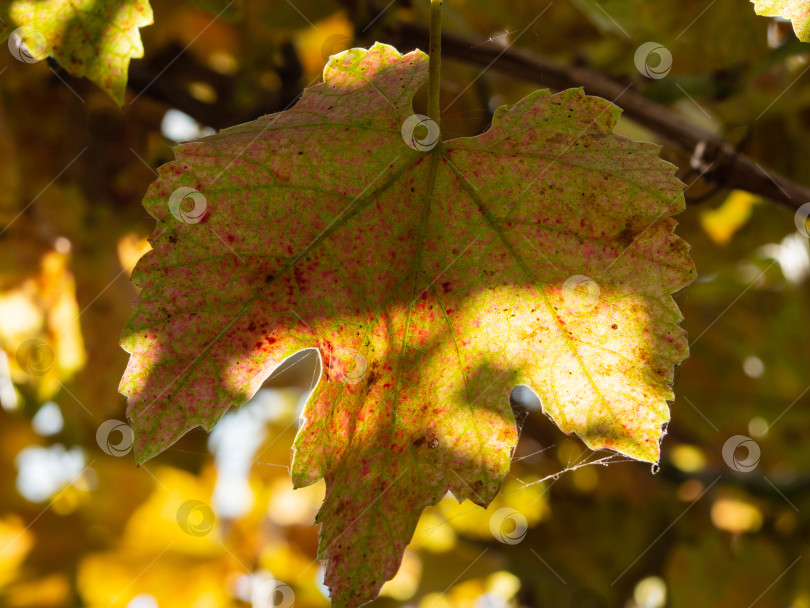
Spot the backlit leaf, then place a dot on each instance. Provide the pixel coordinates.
(798, 11)
(430, 280)
(92, 38)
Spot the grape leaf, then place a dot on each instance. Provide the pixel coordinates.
(798, 11)
(92, 38)
(430, 281)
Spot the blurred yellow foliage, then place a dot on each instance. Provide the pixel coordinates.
(471, 520)
(157, 557)
(15, 543)
(40, 329)
(736, 515)
(723, 222)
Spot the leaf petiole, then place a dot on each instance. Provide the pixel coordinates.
(435, 59)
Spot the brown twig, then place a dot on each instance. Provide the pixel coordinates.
(727, 166)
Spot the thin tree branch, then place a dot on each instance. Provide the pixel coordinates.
(728, 167)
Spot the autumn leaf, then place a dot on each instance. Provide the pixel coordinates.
(92, 38)
(798, 11)
(431, 276)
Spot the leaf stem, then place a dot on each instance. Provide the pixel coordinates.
(435, 59)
